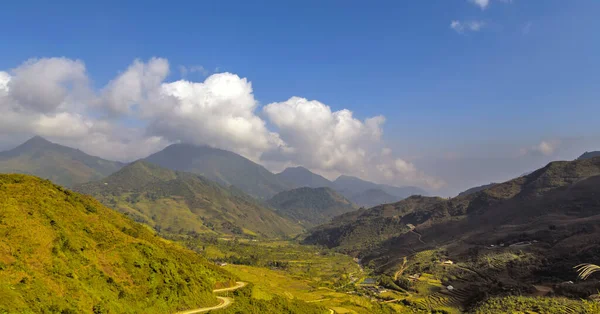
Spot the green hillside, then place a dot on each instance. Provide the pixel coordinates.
(221, 166)
(179, 202)
(62, 252)
(311, 206)
(63, 165)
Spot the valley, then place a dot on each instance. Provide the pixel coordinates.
(302, 250)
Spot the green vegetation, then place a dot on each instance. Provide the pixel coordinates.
(221, 166)
(245, 303)
(311, 206)
(283, 269)
(179, 202)
(516, 304)
(63, 165)
(62, 252)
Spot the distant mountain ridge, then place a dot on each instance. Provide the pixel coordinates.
(588, 155)
(355, 189)
(224, 167)
(298, 177)
(311, 206)
(476, 189)
(61, 164)
(360, 192)
(178, 202)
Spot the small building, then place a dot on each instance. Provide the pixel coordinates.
(221, 264)
(450, 288)
(448, 262)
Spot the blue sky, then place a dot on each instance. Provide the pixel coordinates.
(528, 74)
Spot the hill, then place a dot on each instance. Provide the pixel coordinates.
(298, 177)
(63, 165)
(311, 206)
(221, 166)
(507, 239)
(62, 252)
(180, 202)
(588, 155)
(476, 189)
(373, 197)
(515, 201)
(356, 189)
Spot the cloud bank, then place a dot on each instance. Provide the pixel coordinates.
(138, 112)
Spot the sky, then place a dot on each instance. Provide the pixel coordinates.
(441, 94)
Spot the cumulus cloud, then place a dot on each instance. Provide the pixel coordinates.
(135, 85)
(219, 111)
(335, 142)
(460, 27)
(144, 113)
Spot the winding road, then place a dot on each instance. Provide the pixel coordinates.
(225, 302)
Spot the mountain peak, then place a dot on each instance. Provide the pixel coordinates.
(36, 141)
(301, 177)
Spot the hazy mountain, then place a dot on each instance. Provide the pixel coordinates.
(179, 202)
(298, 177)
(359, 190)
(373, 197)
(588, 155)
(311, 206)
(221, 166)
(62, 252)
(63, 165)
(477, 189)
(558, 205)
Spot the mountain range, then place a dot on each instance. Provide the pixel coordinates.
(62, 252)
(360, 192)
(70, 167)
(181, 202)
(63, 165)
(558, 205)
(311, 206)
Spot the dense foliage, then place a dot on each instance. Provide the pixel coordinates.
(62, 252)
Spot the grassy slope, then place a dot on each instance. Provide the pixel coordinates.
(178, 202)
(62, 165)
(311, 206)
(62, 251)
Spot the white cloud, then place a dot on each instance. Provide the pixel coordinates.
(134, 86)
(334, 142)
(45, 85)
(483, 4)
(217, 112)
(146, 113)
(460, 26)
